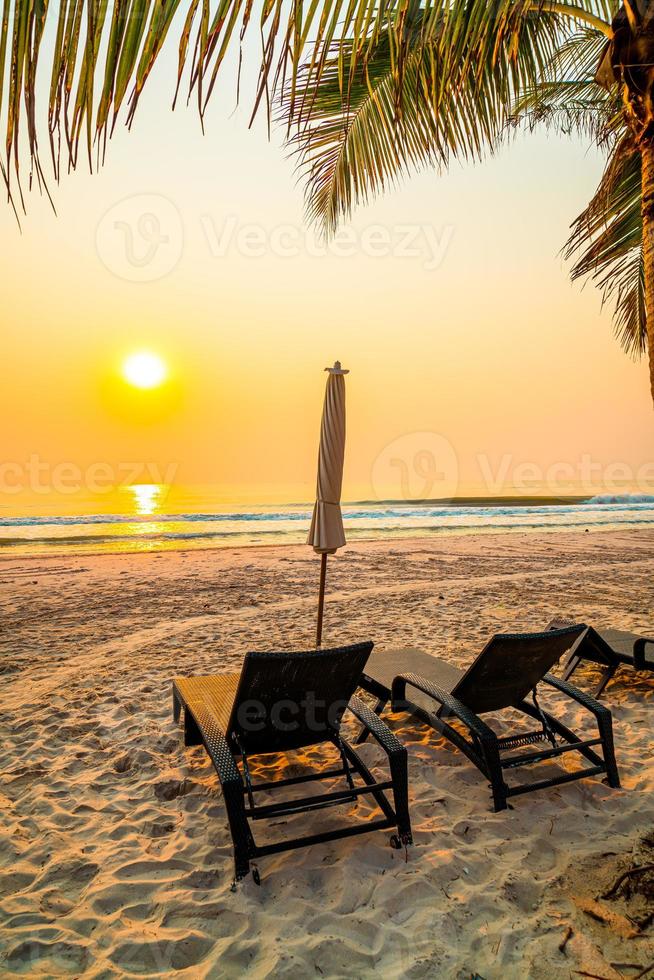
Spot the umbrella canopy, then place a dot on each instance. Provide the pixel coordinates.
(326, 533)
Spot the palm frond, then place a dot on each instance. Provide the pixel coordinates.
(449, 101)
(566, 97)
(100, 55)
(348, 152)
(569, 108)
(606, 242)
(606, 238)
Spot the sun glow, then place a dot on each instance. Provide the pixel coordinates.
(144, 370)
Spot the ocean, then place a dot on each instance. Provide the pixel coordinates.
(141, 519)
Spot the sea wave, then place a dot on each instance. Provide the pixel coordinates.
(288, 524)
(623, 499)
(382, 513)
(280, 535)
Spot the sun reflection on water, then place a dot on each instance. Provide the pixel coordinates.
(147, 498)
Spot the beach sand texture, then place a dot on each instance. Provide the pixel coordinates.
(115, 859)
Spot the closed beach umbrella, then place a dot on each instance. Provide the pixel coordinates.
(326, 533)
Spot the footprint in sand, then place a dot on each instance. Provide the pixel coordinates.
(148, 871)
(223, 921)
(123, 763)
(15, 881)
(167, 745)
(203, 879)
(171, 789)
(161, 956)
(47, 958)
(70, 877)
(24, 919)
(157, 830)
(113, 898)
(524, 892)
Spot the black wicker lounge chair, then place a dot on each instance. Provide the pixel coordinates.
(281, 702)
(610, 649)
(506, 672)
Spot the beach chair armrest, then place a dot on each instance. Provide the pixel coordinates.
(452, 705)
(216, 744)
(585, 700)
(640, 645)
(377, 728)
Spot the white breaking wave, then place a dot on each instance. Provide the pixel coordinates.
(624, 499)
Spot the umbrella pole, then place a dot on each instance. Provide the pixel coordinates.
(321, 597)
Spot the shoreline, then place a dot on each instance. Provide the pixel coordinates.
(180, 548)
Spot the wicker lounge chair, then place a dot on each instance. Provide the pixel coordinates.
(506, 672)
(281, 702)
(610, 649)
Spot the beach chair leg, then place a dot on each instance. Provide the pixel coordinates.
(192, 734)
(605, 725)
(400, 776)
(498, 787)
(238, 826)
(177, 706)
(363, 734)
(498, 790)
(606, 677)
(571, 666)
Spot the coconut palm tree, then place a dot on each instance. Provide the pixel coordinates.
(371, 88)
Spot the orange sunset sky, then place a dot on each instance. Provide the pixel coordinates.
(476, 336)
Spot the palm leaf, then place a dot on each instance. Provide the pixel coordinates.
(566, 97)
(100, 61)
(606, 242)
(448, 102)
(606, 239)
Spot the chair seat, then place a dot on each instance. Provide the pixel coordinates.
(622, 643)
(215, 691)
(609, 648)
(383, 666)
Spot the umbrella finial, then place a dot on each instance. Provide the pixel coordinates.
(337, 369)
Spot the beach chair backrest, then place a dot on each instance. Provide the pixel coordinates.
(510, 666)
(286, 701)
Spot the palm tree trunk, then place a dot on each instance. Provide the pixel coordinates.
(647, 154)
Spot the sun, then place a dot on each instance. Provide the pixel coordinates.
(144, 369)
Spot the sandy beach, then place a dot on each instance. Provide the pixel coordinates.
(115, 859)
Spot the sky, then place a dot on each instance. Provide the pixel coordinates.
(476, 367)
